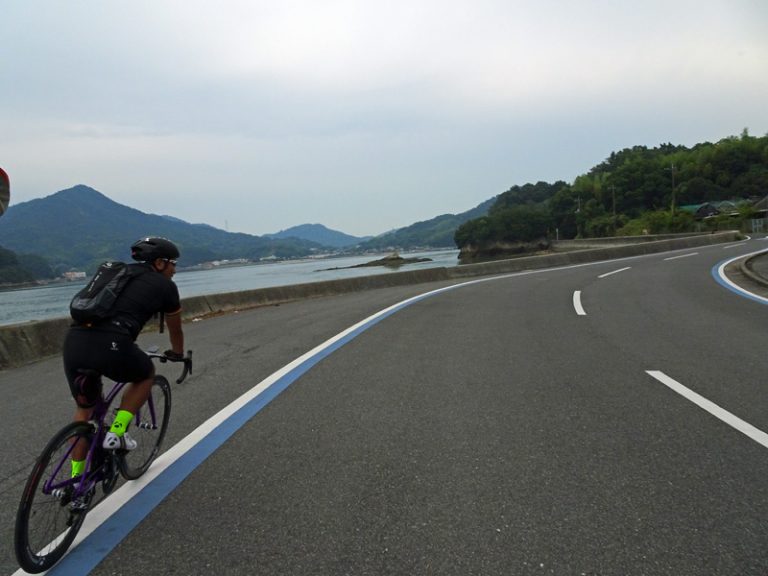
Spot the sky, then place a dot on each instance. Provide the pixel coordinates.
(364, 116)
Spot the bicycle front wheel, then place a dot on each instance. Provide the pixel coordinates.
(148, 429)
(46, 521)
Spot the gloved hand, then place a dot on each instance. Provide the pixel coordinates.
(171, 355)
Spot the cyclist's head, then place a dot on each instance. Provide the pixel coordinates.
(150, 249)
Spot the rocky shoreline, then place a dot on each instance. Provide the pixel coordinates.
(394, 260)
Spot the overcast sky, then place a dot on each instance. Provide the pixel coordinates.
(364, 116)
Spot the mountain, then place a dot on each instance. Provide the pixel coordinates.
(435, 233)
(320, 234)
(80, 227)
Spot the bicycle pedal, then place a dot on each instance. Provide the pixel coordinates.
(81, 504)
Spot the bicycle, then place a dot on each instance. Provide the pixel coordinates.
(54, 504)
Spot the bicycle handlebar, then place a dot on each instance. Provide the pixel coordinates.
(186, 359)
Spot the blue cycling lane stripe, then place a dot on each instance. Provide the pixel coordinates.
(91, 549)
(133, 502)
(718, 272)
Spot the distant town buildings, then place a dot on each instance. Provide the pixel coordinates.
(73, 276)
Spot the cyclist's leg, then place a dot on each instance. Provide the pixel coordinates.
(137, 368)
(86, 391)
(133, 398)
(149, 427)
(136, 394)
(112, 354)
(80, 451)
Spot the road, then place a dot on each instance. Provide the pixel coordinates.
(517, 425)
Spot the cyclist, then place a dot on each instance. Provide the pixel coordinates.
(109, 347)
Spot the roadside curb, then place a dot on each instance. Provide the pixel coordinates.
(22, 344)
(746, 266)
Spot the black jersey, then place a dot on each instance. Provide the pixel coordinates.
(143, 297)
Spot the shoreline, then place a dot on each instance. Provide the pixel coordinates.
(206, 266)
(31, 341)
(41, 301)
(38, 284)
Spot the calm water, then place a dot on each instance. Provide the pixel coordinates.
(53, 301)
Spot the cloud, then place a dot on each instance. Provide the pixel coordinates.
(369, 115)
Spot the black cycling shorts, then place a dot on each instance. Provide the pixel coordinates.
(112, 353)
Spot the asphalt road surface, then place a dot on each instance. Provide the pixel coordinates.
(600, 419)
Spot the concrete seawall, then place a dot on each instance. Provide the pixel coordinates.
(24, 343)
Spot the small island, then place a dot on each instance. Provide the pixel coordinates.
(394, 260)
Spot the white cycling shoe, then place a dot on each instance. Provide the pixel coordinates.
(114, 442)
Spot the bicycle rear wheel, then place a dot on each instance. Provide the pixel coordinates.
(46, 525)
(148, 429)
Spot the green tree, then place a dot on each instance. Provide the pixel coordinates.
(563, 208)
(473, 232)
(511, 225)
(37, 266)
(633, 192)
(658, 222)
(11, 272)
(521, 223)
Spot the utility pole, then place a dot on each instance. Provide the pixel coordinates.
(613, 199)
(672, 169)
(578, 219)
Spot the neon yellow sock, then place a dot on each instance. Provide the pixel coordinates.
(78, 467)
(120, 423)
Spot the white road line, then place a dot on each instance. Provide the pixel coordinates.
(129, 490)
(733, 245)
(614, 272)
(577, 303)
(718, 272)
(734, 421)
(683, 256)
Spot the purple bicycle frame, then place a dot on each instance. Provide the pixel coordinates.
(84, 482)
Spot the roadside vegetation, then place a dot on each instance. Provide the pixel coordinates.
(639, 190)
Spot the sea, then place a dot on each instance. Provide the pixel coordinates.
(52, 300)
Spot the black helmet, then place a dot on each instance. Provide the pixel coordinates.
(149, 249)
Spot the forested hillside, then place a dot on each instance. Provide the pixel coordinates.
(11, 272)
(19, 269)
(319, 234)
(437, 232)
(80, 227)
(636, 190)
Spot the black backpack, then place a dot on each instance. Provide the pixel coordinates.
(94, 303)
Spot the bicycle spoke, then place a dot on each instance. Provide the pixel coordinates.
(45, 522)
(148, 429)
